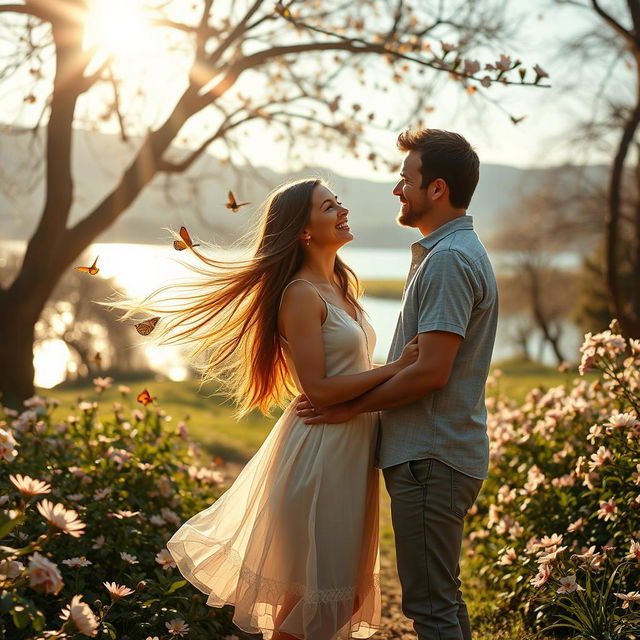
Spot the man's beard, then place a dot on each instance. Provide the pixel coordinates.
(408, 218)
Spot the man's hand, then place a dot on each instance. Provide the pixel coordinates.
(334, 414)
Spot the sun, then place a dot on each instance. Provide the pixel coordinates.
(120, 29)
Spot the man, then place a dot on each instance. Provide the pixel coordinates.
(433, 445)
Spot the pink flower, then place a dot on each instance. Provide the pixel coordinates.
(599, 458)
(508, 557)
(101, 384)
(117, 591)
(44, 575)
(544, 573)
(575, 526)
(540, 72)
(632, 596)
(608, 510)
(568, 584)
(634, 551)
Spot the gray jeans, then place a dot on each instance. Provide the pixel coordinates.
(429, 501)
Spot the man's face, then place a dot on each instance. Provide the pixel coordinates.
(414, 200)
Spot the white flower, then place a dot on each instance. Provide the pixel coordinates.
(8, 445)
(632, 596)
(77, 562)
(63, 519)
(177, 627)
(44, 575)
(169, 516)
(98, 543)
(102, 383)
(634, 551)
(80, 618)
(623, 421)
(10, 569)
(28, 486)
(99, 494)
(568, 584)
(157, 521)
(117, 591)
(165, 559)
(128, 558)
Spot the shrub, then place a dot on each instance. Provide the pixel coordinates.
(557, 528)
(88, 506)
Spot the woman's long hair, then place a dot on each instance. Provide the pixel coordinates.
(231, 315)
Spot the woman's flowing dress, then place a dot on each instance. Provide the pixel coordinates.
(293, 543)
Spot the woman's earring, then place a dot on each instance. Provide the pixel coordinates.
(307, 241)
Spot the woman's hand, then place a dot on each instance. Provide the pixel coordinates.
(408, 356)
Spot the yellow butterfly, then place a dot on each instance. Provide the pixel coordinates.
(92, 269)
(181, 245)
(147, 326)
(233, 205)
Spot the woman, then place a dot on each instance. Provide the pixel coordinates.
(293, 543)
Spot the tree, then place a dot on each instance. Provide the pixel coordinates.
(535, 288)
(294, 58)
(616, 117)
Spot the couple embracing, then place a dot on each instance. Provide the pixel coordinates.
(293, 543)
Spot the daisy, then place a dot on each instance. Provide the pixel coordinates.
(128, 558)
(122, 514)
(575, 526)
(77, 562)
(99, 494)
(165, 559)
(117, 591)
(177, 627)
(79, 617)
(28, 486)
(61, 518)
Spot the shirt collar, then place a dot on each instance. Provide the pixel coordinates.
(431, 240)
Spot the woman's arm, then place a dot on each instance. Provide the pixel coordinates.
(301, 317)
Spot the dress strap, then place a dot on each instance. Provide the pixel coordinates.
(301, 280)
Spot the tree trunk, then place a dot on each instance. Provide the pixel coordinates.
(17, 325)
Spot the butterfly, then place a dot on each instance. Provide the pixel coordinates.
(233, 205)
(181, 245)
(147, 326)
(97, 359)
(144, 397)
(219, 461)
(92, 269)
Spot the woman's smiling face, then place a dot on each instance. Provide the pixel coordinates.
(327, 225)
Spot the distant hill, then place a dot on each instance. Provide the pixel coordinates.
(99, 159)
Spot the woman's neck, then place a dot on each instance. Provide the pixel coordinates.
(319, 266)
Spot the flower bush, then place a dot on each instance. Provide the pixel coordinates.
(86, 507)
(557, 528)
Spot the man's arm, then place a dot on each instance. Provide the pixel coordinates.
(437, 352)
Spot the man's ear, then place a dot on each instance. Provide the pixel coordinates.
(439, 188)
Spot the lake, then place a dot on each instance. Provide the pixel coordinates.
(141, 268)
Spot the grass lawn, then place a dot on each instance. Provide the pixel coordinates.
(211, 423)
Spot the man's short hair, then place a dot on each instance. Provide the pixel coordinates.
(445, 155)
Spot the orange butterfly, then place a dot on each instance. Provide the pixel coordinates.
(147, 326)
(219, 461)
(98, 359)
(233, 205)
(181, 245)
(144, 397)
(92, 269)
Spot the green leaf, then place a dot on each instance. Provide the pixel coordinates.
(7, 524)
(176, 585)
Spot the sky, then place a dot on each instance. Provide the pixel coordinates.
(536, 141)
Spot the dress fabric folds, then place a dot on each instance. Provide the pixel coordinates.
(293, 543)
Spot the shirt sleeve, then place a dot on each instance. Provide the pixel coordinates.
(447, 293)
